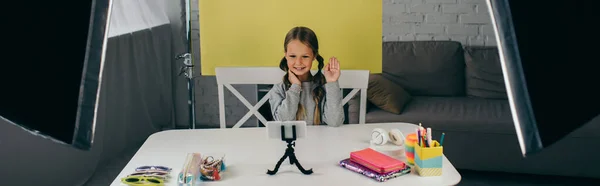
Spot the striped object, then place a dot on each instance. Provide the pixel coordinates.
(428, 171)
(409, 145)
(429, 160)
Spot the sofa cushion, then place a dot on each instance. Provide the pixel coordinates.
(386, 94)
(452, 114)
(425, 68)
(484, 73)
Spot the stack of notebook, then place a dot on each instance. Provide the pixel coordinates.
(375, 165)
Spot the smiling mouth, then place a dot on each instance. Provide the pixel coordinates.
(299, 68)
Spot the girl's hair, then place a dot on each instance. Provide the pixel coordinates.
(309, 38)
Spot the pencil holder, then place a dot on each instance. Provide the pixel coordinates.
(428, 160)
(409, 148)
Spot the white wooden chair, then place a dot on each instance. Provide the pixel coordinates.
(358, 80)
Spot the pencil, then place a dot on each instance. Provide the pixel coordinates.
(429, 136)
(418, 137)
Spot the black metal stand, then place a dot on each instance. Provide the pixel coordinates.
(187, 70)
(289, 152)
(188, 66)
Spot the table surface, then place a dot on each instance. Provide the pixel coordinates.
(249, 153)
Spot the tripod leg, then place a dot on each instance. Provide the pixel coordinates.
(272, 172)
(295, 161)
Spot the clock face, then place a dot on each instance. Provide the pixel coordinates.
(379, 136)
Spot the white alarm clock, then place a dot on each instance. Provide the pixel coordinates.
(379, 136)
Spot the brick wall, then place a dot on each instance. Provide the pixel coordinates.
(466, 21)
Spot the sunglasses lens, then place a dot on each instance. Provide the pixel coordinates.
(153, 180)
(132, 180)
(163, 168)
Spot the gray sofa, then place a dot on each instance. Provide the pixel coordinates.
(460, 91)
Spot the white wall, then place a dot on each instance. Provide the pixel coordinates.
(465, 21)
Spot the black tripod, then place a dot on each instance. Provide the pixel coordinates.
(289, 152)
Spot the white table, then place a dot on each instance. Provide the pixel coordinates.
(248, 155)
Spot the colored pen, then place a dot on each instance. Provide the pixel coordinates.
(429, 137)
(419, 137)
(442, 139)
(424, 138)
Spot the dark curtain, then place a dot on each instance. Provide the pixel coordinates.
(136, 98)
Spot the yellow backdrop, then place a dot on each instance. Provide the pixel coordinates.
(251, 32)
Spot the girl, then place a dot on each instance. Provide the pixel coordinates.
(317, 98)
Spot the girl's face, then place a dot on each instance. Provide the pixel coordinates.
(299, 58)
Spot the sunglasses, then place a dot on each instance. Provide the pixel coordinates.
(160, 174)
(162, 177)
(149, 168)
(141, 180)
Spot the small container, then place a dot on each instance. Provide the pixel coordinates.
(428, 160)
(190, 174)
(409, 148)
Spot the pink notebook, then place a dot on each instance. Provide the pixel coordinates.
(376, 161)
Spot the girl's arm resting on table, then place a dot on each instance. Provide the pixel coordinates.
(284, 104)
(333, 111)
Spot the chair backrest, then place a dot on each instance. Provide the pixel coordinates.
(358, 80)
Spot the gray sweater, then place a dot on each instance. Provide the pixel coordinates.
(284, 104)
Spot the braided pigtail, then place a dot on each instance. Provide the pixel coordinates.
(319, 91)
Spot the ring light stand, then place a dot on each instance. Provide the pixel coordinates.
(187, 69)
(289, 152)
